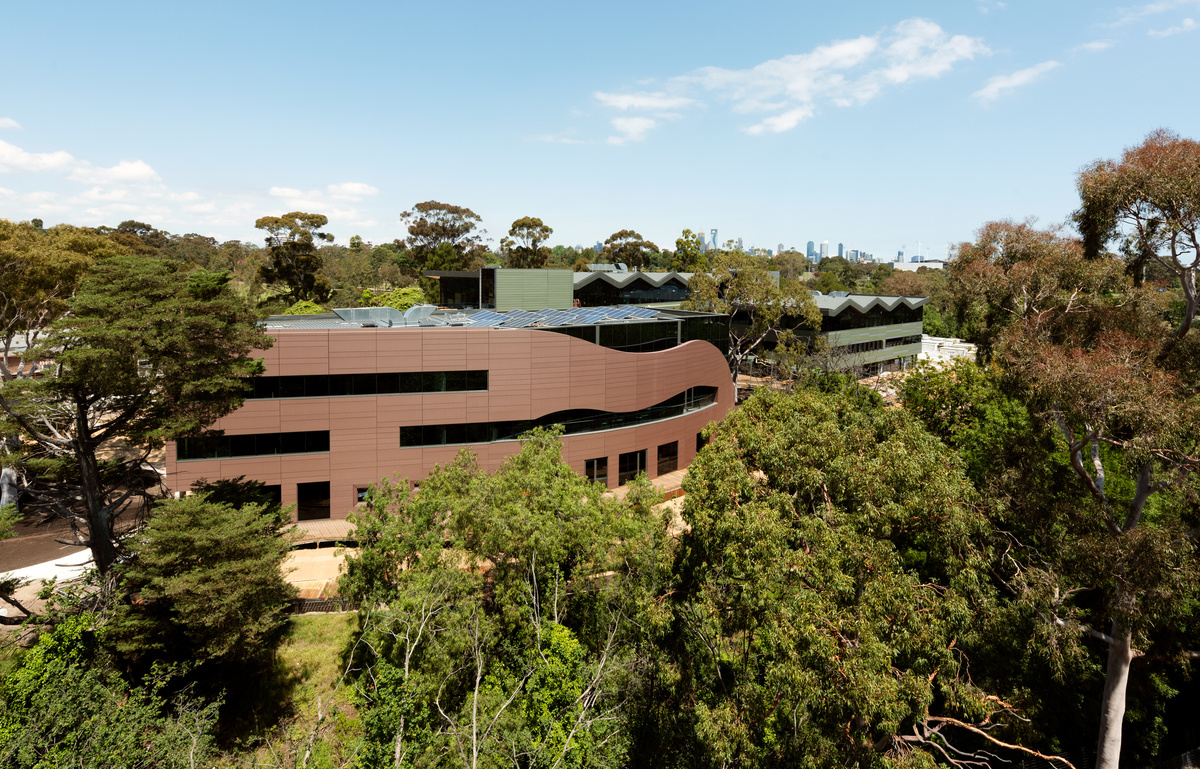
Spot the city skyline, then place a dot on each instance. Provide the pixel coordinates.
(889, 124)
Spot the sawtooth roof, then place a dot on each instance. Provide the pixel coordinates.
(834, 305)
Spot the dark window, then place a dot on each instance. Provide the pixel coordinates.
(275, 492)
(312, 500)
(574, 421)
(596, 470)
(700, 442)
(668, 457)
(262, 444)
(360, 494)
(320, 385)
(629, 465)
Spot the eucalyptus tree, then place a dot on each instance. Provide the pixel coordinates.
(1086, 351)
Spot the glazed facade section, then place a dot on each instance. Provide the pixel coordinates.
(625, 411)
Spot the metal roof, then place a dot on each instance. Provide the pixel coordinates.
(373, 317)
(622, 279)
(833, 305)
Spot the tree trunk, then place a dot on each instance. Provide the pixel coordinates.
(1112, 707)
(8, 488)
(104, 550)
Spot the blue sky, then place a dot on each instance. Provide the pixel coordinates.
(873, 124)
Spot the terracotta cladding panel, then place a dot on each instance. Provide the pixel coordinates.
(399, 411)
(397, 345)
(353, 458)
(507, 407)
(303, 353)
(511, 344)
(351, 352)
(303, 468)
(621, 387)
(351, 407)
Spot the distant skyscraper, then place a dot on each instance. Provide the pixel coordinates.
(780, 251)
(714, 239)
(811, 253)
(840, 250)
(899, 256)
(824, 250)
(739, 244)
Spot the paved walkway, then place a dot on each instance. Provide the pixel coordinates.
(671, 485)
(325, 530)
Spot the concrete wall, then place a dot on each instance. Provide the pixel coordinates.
(531, 374)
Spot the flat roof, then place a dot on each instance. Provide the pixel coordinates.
(386, 317)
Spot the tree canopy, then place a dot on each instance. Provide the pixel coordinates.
(629, 248)
(1151, 200)
(295, 261)
(524, 245)
(147, 353)
(739, 285)
(432, 224)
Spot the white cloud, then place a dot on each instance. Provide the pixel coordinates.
(7, 192)
(351, 190)
(13, 159)
(631, 129)
(1187, 25)
(785, 122)
(10, 124)
(792, 88)
(285, 192)
(986, 7)
(125, 172)
(1095, 46)
(41, 196)
(1000, 84)
(644, 100)
(1139, 12)
(100, 194)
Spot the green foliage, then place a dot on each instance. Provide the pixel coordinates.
(499, 607)
(295, 262)
(209, 585)
(62, 708)
(964, 406)
(304, 307)
(401, 299)
(8, 519)
(166, 351)
(828, 281)
(830, 572)
(629, 248)
(523, 247)
(689, 254)
(449, 231)
(739, 285)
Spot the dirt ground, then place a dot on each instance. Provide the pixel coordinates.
(36, 543)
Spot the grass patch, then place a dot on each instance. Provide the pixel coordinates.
(321, 719)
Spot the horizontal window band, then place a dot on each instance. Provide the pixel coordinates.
(253, 445)
(392, 383)
(574, 422)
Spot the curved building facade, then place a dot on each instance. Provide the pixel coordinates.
(343, 404)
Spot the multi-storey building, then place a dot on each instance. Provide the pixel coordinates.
(352, 397)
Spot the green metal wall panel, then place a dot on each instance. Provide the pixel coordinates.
(859, 335)
(534, 289)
